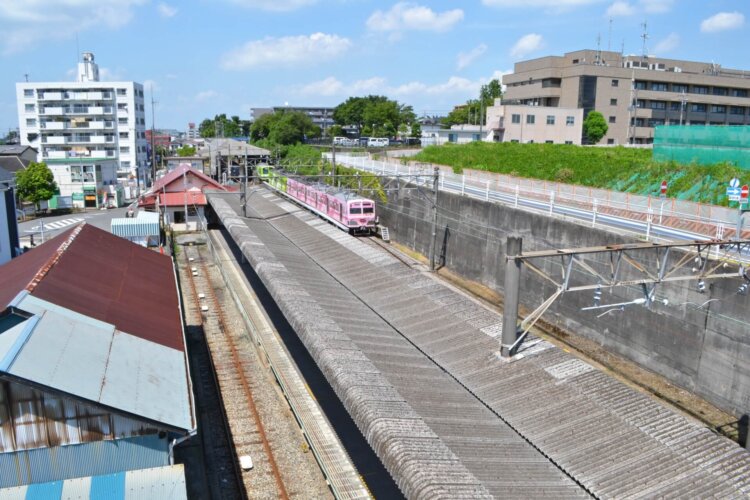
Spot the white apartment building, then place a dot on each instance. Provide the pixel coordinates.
(90, 133)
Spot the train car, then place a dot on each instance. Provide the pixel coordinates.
(264, 171)
(352, 213)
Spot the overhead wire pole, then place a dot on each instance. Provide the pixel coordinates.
(153, 148)
(433, 238)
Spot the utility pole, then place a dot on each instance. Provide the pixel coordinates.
(333, 162)
(244, 189)
(683, 102)
(512, 289)
(435, 185)
(153, 147)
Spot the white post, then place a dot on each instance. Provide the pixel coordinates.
(594, 210)
(518, 189)
(487, 192)
(551, 201)
(463, 184)
(649, 219)
(661, 211)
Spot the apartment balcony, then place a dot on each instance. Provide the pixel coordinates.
(54, 139)
(53, 111)
(52, 96)
(53, 125)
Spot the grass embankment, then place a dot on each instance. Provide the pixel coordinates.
(623, 169)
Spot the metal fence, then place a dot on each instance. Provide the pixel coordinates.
(700, 218)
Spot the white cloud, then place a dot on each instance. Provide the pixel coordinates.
(27, 23)
(619, 9)
(526, 45)
(464, 59)
(286, 51)
(405, 16)
(166, 10)
(671, 42)
(455, 88)
(556, 4)
(274, 5)
(723, 21)
(205, 95)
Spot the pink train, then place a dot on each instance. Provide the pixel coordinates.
(349, 212)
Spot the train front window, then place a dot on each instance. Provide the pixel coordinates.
(368, 210)
(355, 210)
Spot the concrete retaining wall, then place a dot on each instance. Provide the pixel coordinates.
(703, 349)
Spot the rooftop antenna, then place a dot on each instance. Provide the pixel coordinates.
(598, 58)
(609, 42)
(26, 77)
(644, 55)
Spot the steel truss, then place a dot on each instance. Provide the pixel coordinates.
(650, 262)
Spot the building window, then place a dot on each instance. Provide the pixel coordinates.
(718, 109)
(658, 105)
(739, 93)
(29, 108)
(549, 142)
(610, 141)
(675, 106)
(122, 121)
(31, 122)
(124, 135)
(700, 89)
(655, 122)
(695, 122)
(615, 83)
(515, 141)
(678, 87)
(122, 105)
(122, 92)
(550, 119)
(721, 91)
(698, 108)
(515, 118)
(530, 119)
(613, 102)
(125, 149)
(612, 119)
(570, 121)
(659, 87)
(640, 103)
(639, 85)
(28, 92)
(737, 110)
(568, 142)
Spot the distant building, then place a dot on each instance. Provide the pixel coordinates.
(90, 133)
(192, 131)
(527, 124)
(457, 134)
(160, 139)
(93, 365)
(9, 245)
(14, 158)
(320, 116)
(227, 157)
(634, 93)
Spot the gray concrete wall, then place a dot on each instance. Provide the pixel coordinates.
(705, 350)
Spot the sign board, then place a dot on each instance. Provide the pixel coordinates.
(77, 196)
(734, 183)
(743, 194)
(733, 193)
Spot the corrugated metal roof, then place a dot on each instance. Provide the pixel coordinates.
(179, 199)
(176, 174)
(163, 483)
(136, 227)
(42, 465)
(93, 272)
(90, 359)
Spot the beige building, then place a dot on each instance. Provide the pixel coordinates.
(529, 123)
(664, 91)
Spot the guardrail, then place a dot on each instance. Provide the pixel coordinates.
(707, 220)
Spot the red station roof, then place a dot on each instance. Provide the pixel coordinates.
(95, 273)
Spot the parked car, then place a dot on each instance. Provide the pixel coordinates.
(377, 142)
(339, 141)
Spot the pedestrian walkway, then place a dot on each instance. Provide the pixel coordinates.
(59, 224)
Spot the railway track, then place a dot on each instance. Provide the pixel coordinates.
(248, 433)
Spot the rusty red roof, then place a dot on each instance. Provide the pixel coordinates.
(95, 273)
(174, 199)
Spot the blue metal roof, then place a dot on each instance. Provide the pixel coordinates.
(145, 224)
(164, 483)
(44, 465)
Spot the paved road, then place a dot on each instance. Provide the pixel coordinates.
(55, 225)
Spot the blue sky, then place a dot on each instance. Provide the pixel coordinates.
(224, 56)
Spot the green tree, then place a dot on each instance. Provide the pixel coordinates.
(489, 92)
(373, 115)
(284, 127)
(336, 131)
(186, 150)
(36, 183)
(207, 128)
(475, 109)
(221, 126)
(595, 127)
(416, 130)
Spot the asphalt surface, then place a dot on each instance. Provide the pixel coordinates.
(56, 224)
